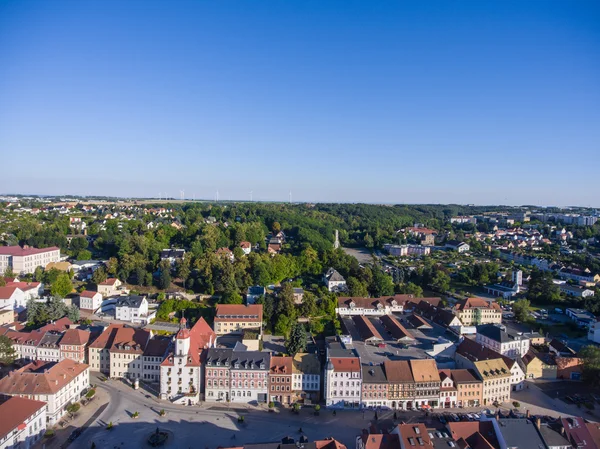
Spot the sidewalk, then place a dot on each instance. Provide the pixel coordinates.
(86, 416)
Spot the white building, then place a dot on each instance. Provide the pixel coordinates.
(12, 298)
(26, 260)
(504, 343)
(371, 306)
(31, 290)
(23, 423)
(343, 382)
(109, 287)
(89, 300)
(575, 291)
(48, 349)
(594, 332)
(407, 250)
(133, 309)
(57, 384)
(306, 377)
(334, 281)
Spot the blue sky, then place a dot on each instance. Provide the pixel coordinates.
(480, 101)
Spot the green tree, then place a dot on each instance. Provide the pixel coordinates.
(84, 254)
(412, 289)
(73, 313)
(309, 305)
(382, 284)
(285, 301)
(441, 281)
(55, 308)
(521, 309)
(282, 326)
(62, 287)
(231, 297)
(38, 274)
(297, 340)
(7, 353)
(357, 288)
(164, 279)
(591, 363)
(73, 408)
(99, 275)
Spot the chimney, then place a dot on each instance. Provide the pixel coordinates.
(528, 414)
(538, 423)
(562, 430)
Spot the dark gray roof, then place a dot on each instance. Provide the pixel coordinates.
(552, 437)
(256, 290)
(130, 301)
(493, 332)
(157, 347)
(50, 340)
(220, 355)
(175, 253)
(333, 275)
(520, 434)
(373, 374)
(244, 360)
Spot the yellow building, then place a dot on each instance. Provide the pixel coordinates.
(495, 376)
(235, 318)
(474, 311)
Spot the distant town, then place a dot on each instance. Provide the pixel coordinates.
(130, 323)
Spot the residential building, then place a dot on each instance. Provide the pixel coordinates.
(498, 339)
(401, 384)
(413, 436)
(109, 287)
(334, 281)
(133, 309)
(578, 433)
(280, 380)
(181, 372)
(463, 219)
(469, 388)
(25, 260)
(343, 383)
(427, 382)
(306, 378)
(73, 345)
(234, 318)
(31, 290)
(582, 317)
(237, 375)
(152, 358)
(246, 247)
(539, 365)
(495, 376)
(254, 293)
(553, 435)
(7, 316)
(457, 246)
(475, 311)
(56, 384)
(12, 298)
(407, 250)
(475, 434)
(48, 349)
(379, 306)
(90, 301)
(172, 255)
(328, 443)
(374, 387)
(448, 390)
(593, 331)
(518, 433)
(126, 352)
(23, 423)
(576, 274)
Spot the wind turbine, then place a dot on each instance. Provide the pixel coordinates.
(182, 194)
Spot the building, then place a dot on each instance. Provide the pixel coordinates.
(126, 353)
(594, 332)
(172, 255)
(237, 375)
(73, 345)
(379, 306)
(23, 423)
(413, 436)
(374, 387)
(7, 316)
(582, 317)
(25, 260)
(396, 330)
(343, 383)
(334, 281)
(181, 372)
(518, 433)
(462, 219)
(109, 287)
(448, 390)
(407, 250)
(427, 382)
(287, 443)
(90, 301)
(31, 290)
(575, 291)
(578, 433)
(401, 384)
(475, 311)
(133, 309)
(12, 298)
(56, 384)
(538, 365)
(254, 293)
(495, 376)
(576, 274)
(367, 330)
(553, 435)
(469, 388)
(246, 247)
(234, 318)
(306, 378)
(505, 289)
(506, 343)
(48, 349)
(457, 246)
(280, 380)
(152, 358)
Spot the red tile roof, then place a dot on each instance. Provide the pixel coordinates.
(201, 337)
(345, 364)
(471, 303)
(15, 411)
(41, 378)
(398, 371)
(238, 312)
(75, 337)
(58, 326)
(25, 286)
(7, 292)
(88, 294)
(109, 281)
(18, 251)
(281, 365)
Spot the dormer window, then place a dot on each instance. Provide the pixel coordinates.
(262, 366)
(379, 306)
(394, 303)
(237, 365)
(218, 363)
(209, 363)
(352, 304)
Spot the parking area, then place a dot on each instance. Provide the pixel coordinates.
(423, 341)
(571, 392)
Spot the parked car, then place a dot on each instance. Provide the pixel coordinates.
(75, 434)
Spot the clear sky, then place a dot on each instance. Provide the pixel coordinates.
(479, 101)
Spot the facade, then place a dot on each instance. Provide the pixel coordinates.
(401, 384)
(594, 332)
(109, 287)
(343, 383)
(48, 349)
(448, 390)
(306, 378)
(539, 365)
(7, 316)
(334, 281)
(89, 300)
(460, 247)
(576, 292)
(495, 376)
(12, 298)
(73, 345)
(31, 290)
(217, 377)
(505, 343)
(384, 305)
(154, 354)
(281, 380)
(126, 353)
(234, 318)
(374, 387)
(57, 384)
(469, 388)
(133, 309)
(407, 250)
(23, 423)
(25, 260)
(475, 311)
(427, 382)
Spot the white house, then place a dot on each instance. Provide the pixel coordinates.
(246, 247)
(23, 423)
(594, 332)
(12, 298)
(57, 384)
(133, 309)
(460, 247)
(334, 281)
(89, 300)
(577, 292)
(31, 290)
(343, 382)
(505, 343)
(109, 287)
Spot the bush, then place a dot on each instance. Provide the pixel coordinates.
(271, 404)
(135, 414)
(73, 408)
(162, 412)
(109, 426)
(49, 433)
(317, 408)
(90, 394)
(516, 404)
